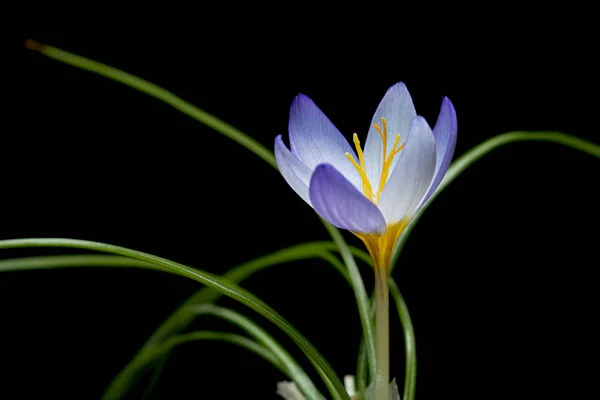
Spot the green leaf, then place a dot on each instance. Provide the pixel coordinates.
(362, 300)
(155, 91)
(181, 318)
(410, 348)
(238, 340)
(361, 367)
(294, 371)
(467, 159)
(228, 288)
(73, 261)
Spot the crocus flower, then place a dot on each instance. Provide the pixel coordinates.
(376, 191)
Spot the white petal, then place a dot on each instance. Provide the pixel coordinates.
(296, 174)
(315, 140)
(412, 176)
(398, 110)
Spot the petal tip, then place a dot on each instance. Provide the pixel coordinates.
(323, 168)
(446, 103)
(279, 144)
(300, 104)
(399, 86)
(419, 120)
(301, 98)
(448, 108)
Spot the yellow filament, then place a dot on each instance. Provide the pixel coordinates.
(387, 161)
(361, 168)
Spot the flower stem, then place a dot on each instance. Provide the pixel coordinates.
(382, 337)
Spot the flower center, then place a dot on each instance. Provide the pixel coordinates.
(385, 167)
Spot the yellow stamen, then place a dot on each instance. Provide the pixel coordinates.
(361, 168)
(387, 163)
(383, 134)
(385, 167)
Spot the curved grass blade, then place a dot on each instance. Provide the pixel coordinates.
(130, 372)
(159, 366)
(179, 319)
(228, 288)
(410, 347)
(318, 249)
(295, 372)
(251, 345)
(157, 92)
(467, 159)
(73, 261)
(311, 249)
(361, 368)
(362, 300)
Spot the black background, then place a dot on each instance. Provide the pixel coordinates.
(498, 275)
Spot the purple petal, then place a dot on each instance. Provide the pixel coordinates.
(296, 174)
(341, 204)
(398, 109)
(315, 140)
(445, 132)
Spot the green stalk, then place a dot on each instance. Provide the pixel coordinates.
(382, 334)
